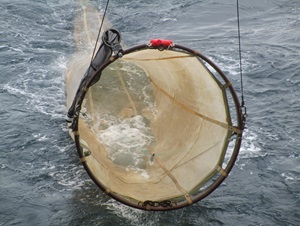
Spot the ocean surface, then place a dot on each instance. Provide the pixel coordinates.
(42, 181)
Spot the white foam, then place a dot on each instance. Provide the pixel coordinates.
(289, 177)
(249, 147)
(122, 211)
(16, 50)
(41, 91)
(69, 177)
(40, 137)
(127, 141)
(168, 19)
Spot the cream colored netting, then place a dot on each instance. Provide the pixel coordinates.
(156, 125)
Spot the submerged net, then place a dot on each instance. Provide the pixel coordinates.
(160, 130)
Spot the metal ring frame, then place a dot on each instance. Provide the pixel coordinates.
(195, 198)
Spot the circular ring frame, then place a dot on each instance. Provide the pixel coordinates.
(206, 191)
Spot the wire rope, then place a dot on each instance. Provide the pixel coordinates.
(100, 28)
(240, 52)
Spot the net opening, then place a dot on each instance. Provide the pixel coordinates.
(160, 129)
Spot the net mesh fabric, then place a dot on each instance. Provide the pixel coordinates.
(156, 125)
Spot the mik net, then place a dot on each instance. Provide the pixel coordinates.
(160, 129)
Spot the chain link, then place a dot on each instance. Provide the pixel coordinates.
(165, 203)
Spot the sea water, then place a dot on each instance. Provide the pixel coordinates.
(42, 180)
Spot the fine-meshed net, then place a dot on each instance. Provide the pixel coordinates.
(156, 126)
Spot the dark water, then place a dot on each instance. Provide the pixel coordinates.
(42, 180)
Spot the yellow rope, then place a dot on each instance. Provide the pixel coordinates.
(224, 125)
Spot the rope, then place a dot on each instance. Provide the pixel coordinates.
(99, 32)
(240, 51)
(95, 47)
